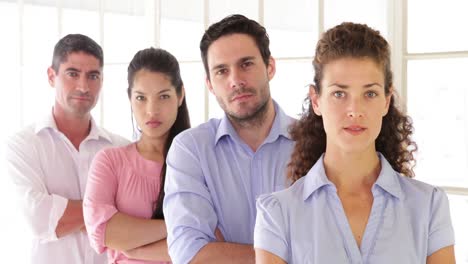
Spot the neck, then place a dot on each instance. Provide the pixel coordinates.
(352, 172)
(152, 148)
(75, 128)
(254, 131)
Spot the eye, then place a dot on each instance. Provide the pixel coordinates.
(94, 76)
(165, 96)
(371, 94)
(139, 98)
(339, 94)
(72, 74)
(221, 71)
(247, 64)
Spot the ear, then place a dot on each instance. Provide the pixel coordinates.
(388, 99)
(182, 96)
(51, 74)
(314, 100)
(209, 85)
(271, 68)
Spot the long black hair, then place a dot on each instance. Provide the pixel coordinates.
(159, 60)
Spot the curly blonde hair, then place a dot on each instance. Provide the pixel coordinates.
(351, 40)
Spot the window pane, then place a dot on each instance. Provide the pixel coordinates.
(126, 30)
(115, 104)
(40, 34)
(222, 8)
(12, 243)
(438, 104)
(459, 214)
(440, 27)
(289, 87)
(193, 76)
(295, 34)
(10, 68)
(82, 4)
(73, 22)
(370, 12)
(38, 97)
(182, 28)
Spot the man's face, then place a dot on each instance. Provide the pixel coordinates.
(77, 84)
(238, 76)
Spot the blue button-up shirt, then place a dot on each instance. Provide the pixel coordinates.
(213, 179)
(306, 223)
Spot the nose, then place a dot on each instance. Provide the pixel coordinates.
(82, 84)
(355, 108)
(236, 79)
(152, 108)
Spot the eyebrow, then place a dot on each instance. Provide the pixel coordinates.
(241, 60)
(244, 59)
(165, 90)
(343, 86)
(76, 70)
(160, 92)
(72, 69)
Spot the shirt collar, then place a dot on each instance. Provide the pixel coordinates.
(387, 180)
(279, 128)
(315, 179)
(48, 122)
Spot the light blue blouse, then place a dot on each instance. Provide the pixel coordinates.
(306, 223)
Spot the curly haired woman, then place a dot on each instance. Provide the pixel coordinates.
(352, 198)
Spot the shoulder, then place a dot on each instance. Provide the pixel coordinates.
(115, 140)
(26, 137)
(413, 188)
(422, 196)
(115, 152)
(284, 199)
(202, 134)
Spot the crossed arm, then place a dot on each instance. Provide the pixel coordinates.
(224, 252)
(71, 220)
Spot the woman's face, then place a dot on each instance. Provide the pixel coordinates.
(352, 103)
(154, 103)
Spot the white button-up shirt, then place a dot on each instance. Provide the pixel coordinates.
(46, 171)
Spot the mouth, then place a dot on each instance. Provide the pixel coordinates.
(355, 130)
(81, 98)
(153, 123)
(241, 97)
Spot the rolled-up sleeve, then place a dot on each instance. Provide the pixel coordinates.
(188, 208)
(270, 230)
(99, 199)
(42, 210)
(440, 227)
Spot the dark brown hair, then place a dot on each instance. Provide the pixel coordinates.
(159, 60)
(231, 25)
(350, 40)
(72, 43)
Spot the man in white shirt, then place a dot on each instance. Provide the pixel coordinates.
(48, 162)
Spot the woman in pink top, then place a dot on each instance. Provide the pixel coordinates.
(125, 188)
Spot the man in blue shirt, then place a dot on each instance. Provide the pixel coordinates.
(216, 171)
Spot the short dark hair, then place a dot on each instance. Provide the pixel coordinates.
(159, 60)
(231, 25)
(75, 43)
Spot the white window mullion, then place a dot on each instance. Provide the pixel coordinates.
(21, 61)
(206, 24)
